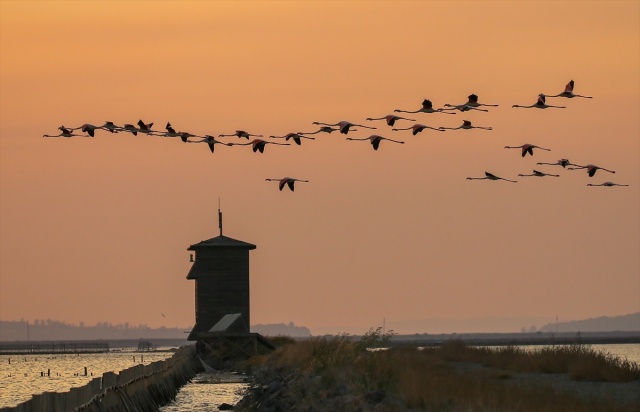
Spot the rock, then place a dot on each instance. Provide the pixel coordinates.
(225, 407)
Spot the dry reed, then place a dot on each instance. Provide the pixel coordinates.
(455, 377)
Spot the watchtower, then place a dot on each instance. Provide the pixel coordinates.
(222, 300)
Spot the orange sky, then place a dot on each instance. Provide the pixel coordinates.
(97, 229)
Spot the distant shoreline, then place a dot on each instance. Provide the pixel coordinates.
(504, 339)
(473, 339)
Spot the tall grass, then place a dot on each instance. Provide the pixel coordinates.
(455, 377)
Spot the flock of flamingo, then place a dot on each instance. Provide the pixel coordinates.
(344, 127)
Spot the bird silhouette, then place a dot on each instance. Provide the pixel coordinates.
(591, 169)
(562, 162)
(472, 102)
(540, 104)
(111, 127)
(417, 128)
(527, 148)
(296, 137)
(427, 107)
(145, 127)
(289, 181)
(465, 108)
(64, 132)
(258, 144)
(491, 176)
(539, 174)
(568, 92)
(171, 132)
(606, 184)
(130, 128)
(466, 124)
(344, 126)
(210, 141)
(375, 140)
(326, 129)
(391, 119)
(241, 134)
(88, 128)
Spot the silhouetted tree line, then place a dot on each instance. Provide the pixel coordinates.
(48, 329)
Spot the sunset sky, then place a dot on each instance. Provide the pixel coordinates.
(97, 230)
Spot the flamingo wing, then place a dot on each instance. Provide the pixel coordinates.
(290, 183)
(569, 87)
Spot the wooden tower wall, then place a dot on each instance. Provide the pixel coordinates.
(222, 287)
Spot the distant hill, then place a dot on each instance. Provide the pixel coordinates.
(52, 330)
(629, 323)
(281, 329)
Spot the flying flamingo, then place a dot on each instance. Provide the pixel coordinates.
(540, 104)
(472, 102)
(591, 169)
(295, 136)
(491, 176)
(527, 148)
(64, 132)
(171, 132)
(88, 128)
(427, 107)
(210, 140)
(258, 144)
(465, 108)
(145, 127)
(240, 133)
(326, 129)
(375, 140)
(289, 181)
(417, 128)
(466, 124)
(110, 126)
(130, 128)
(562, 162)
(568, 92)
(607, 184)
(390, 119)
(344, 126)
(539, 174)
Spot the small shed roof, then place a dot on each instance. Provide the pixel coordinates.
(221, 241)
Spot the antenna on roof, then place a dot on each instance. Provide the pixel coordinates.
(219, 217)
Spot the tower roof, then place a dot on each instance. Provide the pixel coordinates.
(221, 241)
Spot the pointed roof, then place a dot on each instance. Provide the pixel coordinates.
(221, 241)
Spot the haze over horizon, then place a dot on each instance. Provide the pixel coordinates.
(96, 230)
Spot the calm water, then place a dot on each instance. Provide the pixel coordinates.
(207, 391)
(21, 378)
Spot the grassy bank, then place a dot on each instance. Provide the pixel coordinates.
(456, 377)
